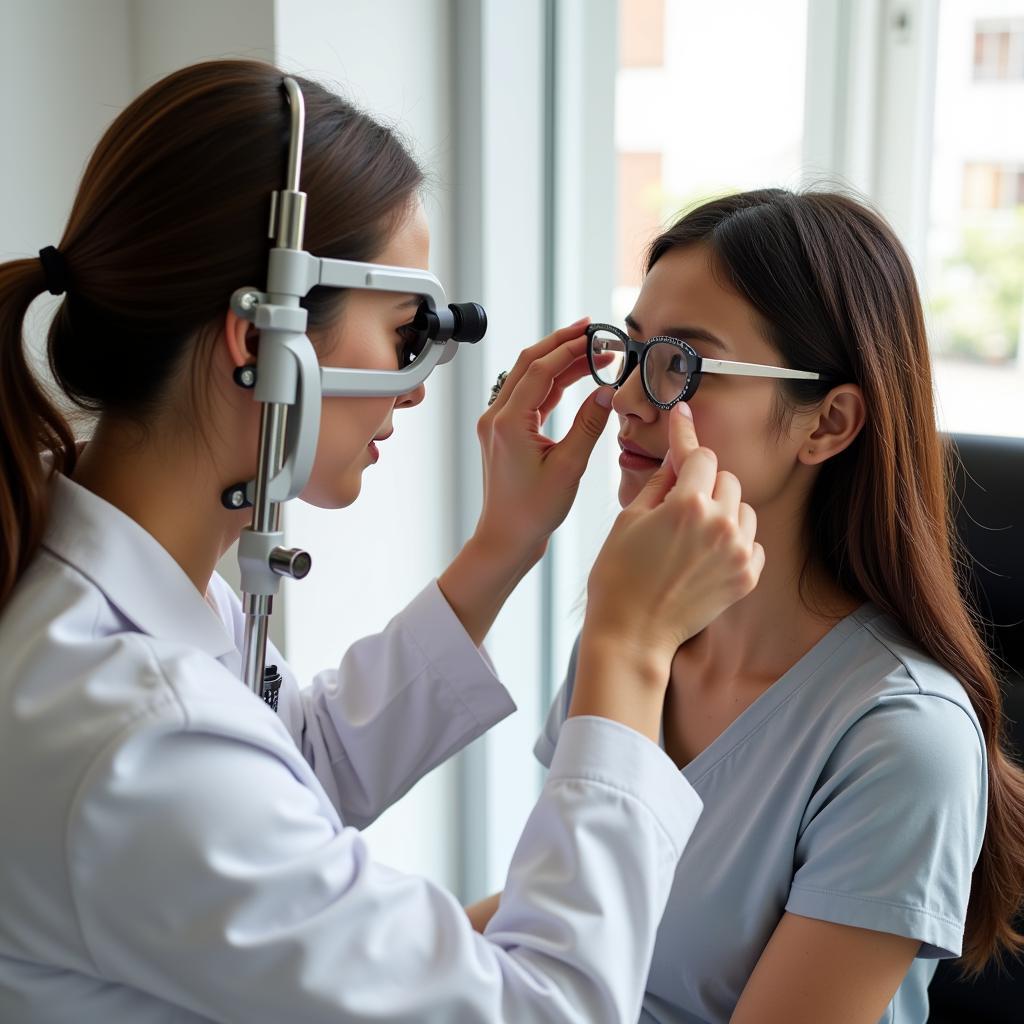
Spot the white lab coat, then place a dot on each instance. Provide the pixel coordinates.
(172, 850)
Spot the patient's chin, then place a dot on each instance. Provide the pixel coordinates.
(631, 483)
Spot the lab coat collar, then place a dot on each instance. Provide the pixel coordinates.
(134, 571)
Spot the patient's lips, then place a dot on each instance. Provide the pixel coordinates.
(635, 457)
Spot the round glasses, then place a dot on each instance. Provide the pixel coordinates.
(670, 370)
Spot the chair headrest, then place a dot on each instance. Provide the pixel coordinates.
(988, 505)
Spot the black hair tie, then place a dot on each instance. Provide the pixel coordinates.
(55, 269)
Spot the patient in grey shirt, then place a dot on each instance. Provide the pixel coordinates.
(837, 721)
(852, 790)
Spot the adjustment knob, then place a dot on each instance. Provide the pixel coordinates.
(292, 562)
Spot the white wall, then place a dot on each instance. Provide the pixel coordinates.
(167, 36)
(62, 87)
(49, 123)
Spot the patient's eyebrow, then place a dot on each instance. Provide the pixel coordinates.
(683, 333)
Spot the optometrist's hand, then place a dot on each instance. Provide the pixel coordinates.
(678, 555)
(530, 481)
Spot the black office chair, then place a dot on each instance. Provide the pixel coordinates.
(990, 518)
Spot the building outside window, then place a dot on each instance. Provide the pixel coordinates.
(711, 99)
(999, 49)
(974, 276)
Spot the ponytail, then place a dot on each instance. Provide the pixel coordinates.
(30, 424)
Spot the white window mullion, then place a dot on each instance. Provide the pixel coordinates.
(499, 104)
(869, 101)
(585, 62)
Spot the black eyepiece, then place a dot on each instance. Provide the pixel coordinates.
(470, 321)
(461, 321)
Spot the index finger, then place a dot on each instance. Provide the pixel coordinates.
(682, 435)
(541, 375)
(530, 355)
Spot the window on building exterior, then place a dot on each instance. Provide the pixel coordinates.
(999, 50)
(974, 277)
(993, 186)
(687, 124)
(688, 127)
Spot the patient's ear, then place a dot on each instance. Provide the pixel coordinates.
(833, 426)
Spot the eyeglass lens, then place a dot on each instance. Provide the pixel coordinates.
(666, 369)
(608, 355)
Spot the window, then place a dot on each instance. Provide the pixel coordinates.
(974, 252)
(993, 186)
(721, 110)
(895, 107)
(999, 50)
(642, 33)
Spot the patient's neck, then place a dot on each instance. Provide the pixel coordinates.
(756, 640)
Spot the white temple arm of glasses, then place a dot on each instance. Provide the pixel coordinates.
(754, 370)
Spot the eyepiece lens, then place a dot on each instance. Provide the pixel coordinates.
(470, 321)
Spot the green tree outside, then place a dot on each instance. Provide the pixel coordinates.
(977, 305)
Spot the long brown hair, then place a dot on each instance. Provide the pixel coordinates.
(836, 293)
(170, 218)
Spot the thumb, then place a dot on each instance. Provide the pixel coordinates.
(682, 435)
(587, 426)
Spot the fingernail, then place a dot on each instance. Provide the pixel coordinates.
(580, 322)
(684, 410)
(604, 398)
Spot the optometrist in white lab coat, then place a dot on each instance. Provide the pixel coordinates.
(173, 850)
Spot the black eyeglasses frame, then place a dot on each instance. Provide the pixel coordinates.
(636, 354)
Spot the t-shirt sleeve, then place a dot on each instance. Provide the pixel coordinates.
(894, 828)
(544, 748)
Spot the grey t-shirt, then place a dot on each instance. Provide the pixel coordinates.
(853, 790)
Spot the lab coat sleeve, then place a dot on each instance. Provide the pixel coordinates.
(400, 703)
(205, 872)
